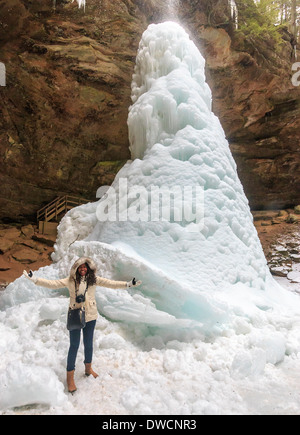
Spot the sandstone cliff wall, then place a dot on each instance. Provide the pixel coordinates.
(63, 113)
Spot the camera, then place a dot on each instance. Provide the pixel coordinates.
(80, 299)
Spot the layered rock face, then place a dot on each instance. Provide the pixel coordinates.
(63, 123)
(257, 104)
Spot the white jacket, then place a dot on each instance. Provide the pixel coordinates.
(91, 312)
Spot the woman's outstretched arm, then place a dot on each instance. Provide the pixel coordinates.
(53, 284)
(104, 282)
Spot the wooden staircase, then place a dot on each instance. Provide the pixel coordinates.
(49, 215)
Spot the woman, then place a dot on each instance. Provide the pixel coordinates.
(82, 281)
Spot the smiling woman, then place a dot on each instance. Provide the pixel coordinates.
(82, 270)
(81, 283)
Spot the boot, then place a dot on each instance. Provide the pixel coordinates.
(89, 371)
(70, 382)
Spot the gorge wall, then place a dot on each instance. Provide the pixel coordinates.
(63, 113)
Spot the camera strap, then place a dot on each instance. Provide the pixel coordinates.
(77, 288)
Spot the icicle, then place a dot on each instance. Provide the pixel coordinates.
(81, 3)
(234, 12)
(2, 74)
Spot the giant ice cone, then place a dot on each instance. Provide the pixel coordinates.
(209, 331)
(194, 264)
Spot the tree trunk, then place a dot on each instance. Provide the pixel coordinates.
(294, 19)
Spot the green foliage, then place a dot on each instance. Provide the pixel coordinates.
(260, 19)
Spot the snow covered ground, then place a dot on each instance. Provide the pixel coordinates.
(209, 331)
(146, 370)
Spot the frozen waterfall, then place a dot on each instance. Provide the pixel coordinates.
(205, 331)
(197, 268)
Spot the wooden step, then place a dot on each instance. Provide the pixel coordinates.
(56, 209)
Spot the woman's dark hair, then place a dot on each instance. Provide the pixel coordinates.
(90, 276)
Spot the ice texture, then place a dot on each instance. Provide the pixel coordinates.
(209, 331)
(192, 271)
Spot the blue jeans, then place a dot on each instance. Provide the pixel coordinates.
(88, 335)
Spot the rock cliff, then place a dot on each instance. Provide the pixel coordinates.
(258, 106)
(63, 113)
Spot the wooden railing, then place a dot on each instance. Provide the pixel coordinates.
(58, 206)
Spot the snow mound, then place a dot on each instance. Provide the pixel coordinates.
(22, 385)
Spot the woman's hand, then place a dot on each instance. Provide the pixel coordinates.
(134, 283)
(30, 276)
